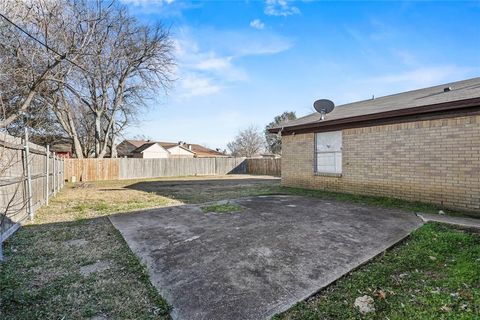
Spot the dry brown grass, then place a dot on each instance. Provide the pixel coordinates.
(92, 200)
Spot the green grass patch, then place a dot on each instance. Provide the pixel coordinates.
(222, 208)
(434, 274)
(385, 202)
(41, 277)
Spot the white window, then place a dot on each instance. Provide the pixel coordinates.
(328, 152)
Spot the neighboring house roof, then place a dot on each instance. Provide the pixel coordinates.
(167, 145)
(126, 147)
(450, 96)
(61, 147)
(137, 143)
(184, 148)
(145, 147)
(198, 150)
(202, 151)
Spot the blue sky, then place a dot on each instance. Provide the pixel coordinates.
(243, 62)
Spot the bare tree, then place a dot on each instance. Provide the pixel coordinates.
(71, 116)
(127, 63)
(248, 143)
(26, 64)
(91, 71)
(273, 140)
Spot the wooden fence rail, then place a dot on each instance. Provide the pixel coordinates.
(29, 175)
(134, 168)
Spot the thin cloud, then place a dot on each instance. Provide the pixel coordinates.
(215, 63)
(208, 59)
(280, 8)
(242, 43)
(193, 85)
(257, 24)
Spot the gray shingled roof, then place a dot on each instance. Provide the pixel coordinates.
(460, 90)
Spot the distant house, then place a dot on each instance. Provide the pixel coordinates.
(203, 152)
(62, 146)
(178, 150)
(151, 149)
(63, 150)
(125, 148)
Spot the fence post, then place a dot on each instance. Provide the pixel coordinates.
(60, 173)
(29, 177)
(54, 171)
(56, 174)
(47, 171)
(62, 176)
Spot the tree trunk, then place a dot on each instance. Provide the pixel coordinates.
(98, 129)
(113, 144)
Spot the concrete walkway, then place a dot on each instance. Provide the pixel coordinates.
(255, 263)
(471, 223)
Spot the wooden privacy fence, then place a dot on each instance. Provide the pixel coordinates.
(29, 175)
(92, 169)
(269, 167)
(176, 167)
(134, 168)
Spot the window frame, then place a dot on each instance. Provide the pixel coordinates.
(316, 153)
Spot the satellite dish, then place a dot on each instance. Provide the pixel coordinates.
(323, 106)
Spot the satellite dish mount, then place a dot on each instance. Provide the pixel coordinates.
(323, 106)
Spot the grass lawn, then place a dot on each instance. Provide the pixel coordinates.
(385, 202)
(70, 262)
(434, 274)
(222, 208)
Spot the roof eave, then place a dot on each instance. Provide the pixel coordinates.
(444, 106)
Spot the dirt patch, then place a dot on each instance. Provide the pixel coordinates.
(98, 266)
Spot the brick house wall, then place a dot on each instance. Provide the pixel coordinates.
(436, 161)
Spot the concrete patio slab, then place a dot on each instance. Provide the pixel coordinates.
(464, 222)
(258, 262)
